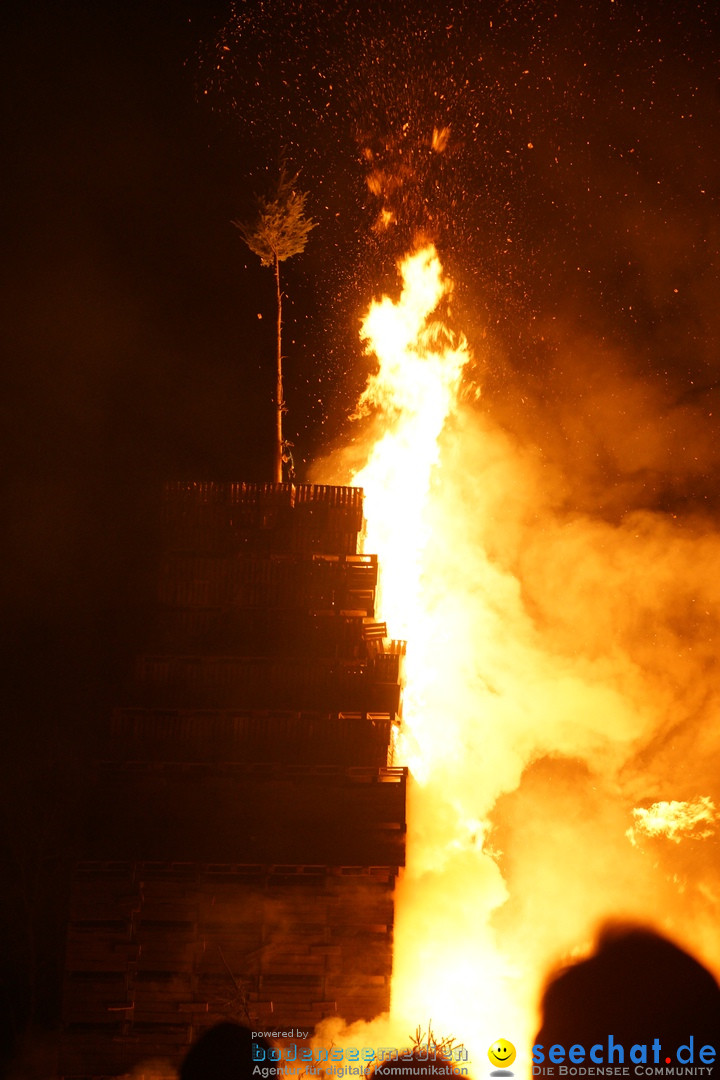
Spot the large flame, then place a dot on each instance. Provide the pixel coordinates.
(447, 971)
(532, 698)
(413, 393)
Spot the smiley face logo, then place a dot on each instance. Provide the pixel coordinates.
(501, 1053)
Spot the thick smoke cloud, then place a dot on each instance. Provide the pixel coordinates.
(574, 640)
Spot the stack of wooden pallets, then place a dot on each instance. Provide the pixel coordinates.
(246, 834)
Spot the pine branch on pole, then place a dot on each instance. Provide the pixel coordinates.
(278, 230)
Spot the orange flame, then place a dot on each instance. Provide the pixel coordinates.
(675, 820)
(446, 969)
(513, 695)
(414, 391)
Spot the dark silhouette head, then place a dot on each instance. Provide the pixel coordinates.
(637, 986)
(223, 1052)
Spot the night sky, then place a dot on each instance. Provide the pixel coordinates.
(574, 201)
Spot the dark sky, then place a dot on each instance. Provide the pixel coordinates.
(133, 346)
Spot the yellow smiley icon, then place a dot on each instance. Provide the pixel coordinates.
(501, 1053)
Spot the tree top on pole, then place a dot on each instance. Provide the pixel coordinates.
(280, 227)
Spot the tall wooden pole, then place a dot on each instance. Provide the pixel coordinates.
(279, 399)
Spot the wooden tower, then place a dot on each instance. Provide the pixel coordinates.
(248, 827)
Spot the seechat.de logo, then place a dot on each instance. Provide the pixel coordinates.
(648, 1059)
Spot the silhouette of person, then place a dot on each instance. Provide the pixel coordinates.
(224, 1052)
(637, 987)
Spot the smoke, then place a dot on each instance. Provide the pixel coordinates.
(572, 658)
